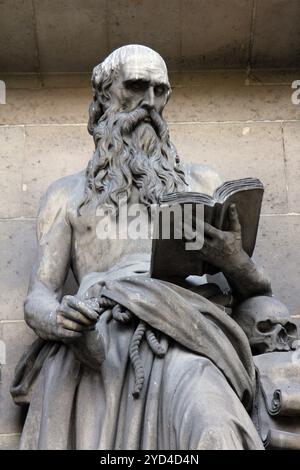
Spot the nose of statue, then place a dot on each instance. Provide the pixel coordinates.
(149, 99)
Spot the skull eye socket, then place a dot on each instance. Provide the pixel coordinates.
(264, 326)
(291, 329)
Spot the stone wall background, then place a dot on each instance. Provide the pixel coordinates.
(243, 125)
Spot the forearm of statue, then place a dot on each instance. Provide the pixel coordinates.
(52, 263)
(40, 311)
(247, 279)
(50, 314)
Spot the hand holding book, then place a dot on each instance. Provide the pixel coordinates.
(230, 223)
(223, 248)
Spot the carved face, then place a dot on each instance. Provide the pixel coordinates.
(142, 81)
(133, 152)
(267, 324)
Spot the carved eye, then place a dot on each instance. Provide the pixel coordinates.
(137, 86)
(264, 326)
(159, 90)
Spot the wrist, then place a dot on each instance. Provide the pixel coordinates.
(237, 262)
(45, 326)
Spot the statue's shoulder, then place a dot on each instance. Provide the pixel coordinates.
(202, 178)
(64, 192)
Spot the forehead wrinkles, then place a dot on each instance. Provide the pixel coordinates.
(148, 65)
(149, 72)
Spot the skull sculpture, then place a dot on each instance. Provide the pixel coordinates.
(267, 324)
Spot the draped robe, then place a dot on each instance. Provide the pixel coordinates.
(195, 397)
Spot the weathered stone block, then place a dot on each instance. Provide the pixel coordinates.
(12, 142)
(291, 132)
(272, 46)
(46, 106)
(236, 151)
(231, 101)
(64, 27)
(17, 38)
(266, 77)
(278, 251)
(52, 152)
(212, 35)
(17, 252)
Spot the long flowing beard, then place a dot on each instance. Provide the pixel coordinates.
(132, 150)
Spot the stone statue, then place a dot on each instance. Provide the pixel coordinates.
(131, 362)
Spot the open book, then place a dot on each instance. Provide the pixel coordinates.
(170, 258)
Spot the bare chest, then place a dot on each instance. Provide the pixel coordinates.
(98, 243)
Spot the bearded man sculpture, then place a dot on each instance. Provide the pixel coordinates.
(131, 362)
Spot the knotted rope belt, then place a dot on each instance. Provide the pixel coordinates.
(142, 332)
